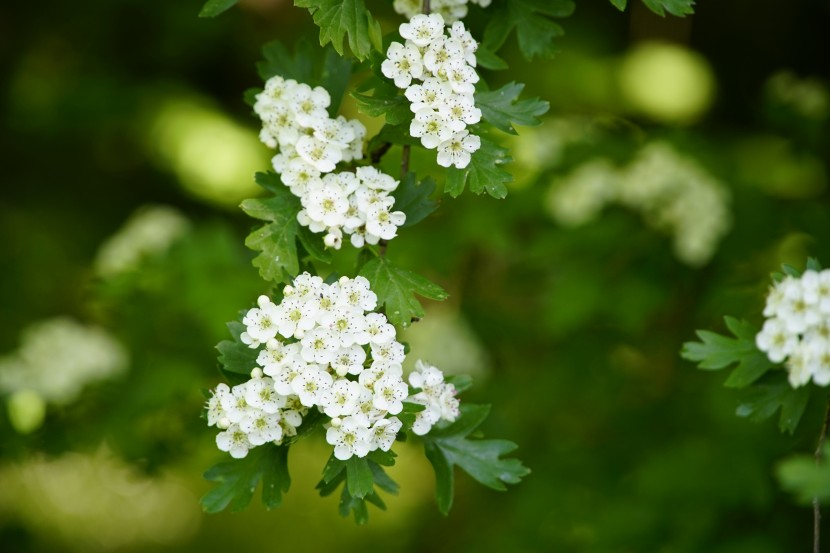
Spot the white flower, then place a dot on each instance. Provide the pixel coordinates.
(349, 360)
(378, 328)
(349, 438)
(374, 179)
(260, 324)
(438, 397)
(384, 432)
(310, 385)
(389, 393)
(295, 316)
(309, 104)
(326, 202)
(357, 293)
(264, 427)
(459, 111)
(261, 394)
(402, 64)
(322, 155)
(215, 411)
(391, 353)
(384, 223)
(430, 127)
(457, 150)
(461, 77)
(341, 400)
(423, 29)
(432, 94)
(320, 345)
(235, 441)
(442, 53)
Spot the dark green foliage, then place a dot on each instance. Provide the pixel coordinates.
(483, 174)
(212, 8)
(396, 289)
(341, 19)
(530, 18)
(237, 480)
(413, 198)
(503, 109)
(481, 459)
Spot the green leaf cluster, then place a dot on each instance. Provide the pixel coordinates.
(503, 109)
(359, 477)
(310, 65)
(396, 289)
(237, 480)
(482, 459)
(763, 394)
(531, 19)
(345, 20)
(679, 8)
(277, 240)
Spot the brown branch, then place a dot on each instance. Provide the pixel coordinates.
(819, 455)
(426, 7)
(405, 161)
(377, 154)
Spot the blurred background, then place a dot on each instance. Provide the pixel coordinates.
(682, 160)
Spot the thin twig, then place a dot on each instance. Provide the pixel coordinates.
(405, 161)
(426, 7)
(819, 455)
(377, 154)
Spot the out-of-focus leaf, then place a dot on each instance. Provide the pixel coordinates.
(801, 476)
(764, 398)
(212, 8)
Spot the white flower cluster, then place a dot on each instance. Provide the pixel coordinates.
(437, 72)
(322, 346)
(437, 396)
(59, 357)
(797, 328)
(450, 10)
(674, 194)
(311, 144)
(151, 230)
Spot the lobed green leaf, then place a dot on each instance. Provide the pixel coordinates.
(484, 173)
(763, 399)
(237, 480)
(345, 19)
(414, 199)
(530, 19)
(503, 109)
(396, 289)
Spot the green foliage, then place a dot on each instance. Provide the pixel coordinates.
(530, 18)
(338, 19)
(770, 394)
(212, 8)
(484, 173)
(805, 478)
(278, 260)
(716, 352)
(413, 198)
(384, 102)
(481, 459)
(396, 289)
(237, 480)
(680, 8)
(503, 109)
(359, 477)
(310, 65)
(235, 356)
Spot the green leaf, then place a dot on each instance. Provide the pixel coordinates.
(461, 382)
(277, 240)
(394, 107)
(340, 19)
(235, 356)
(801, 476)
(350, 504)
(680, 8)
(359, 478)
(763, 399)
(503, 109)
(619, 4)
(489, 60)
(813, 264)
(212, 8)
(396, 289)
(309, 65)
(237, 480)
(482, 459)
(484, 173)
(382, 480)
(530, 18)
(414, 199)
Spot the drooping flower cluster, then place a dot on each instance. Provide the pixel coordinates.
(311, 144)
(450, 10)
(437, 396)
(60, 357)
(437, 72)
(797, 329)
(674, 193)
(322, 347)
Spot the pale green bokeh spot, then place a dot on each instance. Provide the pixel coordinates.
(667, 82)
(27, 410)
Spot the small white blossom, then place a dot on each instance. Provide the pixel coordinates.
(349, 439)
(402, 64)
(423, 29)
